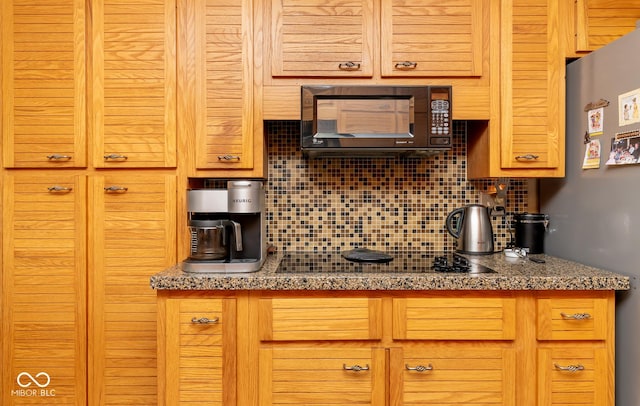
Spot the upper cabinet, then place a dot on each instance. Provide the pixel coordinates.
(316, 38)
(134, 84)
(220, 110)
(598, 22)
(432, 38)
(528, 139)
(369, 42)
(44, 84)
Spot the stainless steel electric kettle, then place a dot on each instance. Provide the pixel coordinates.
(472, 228)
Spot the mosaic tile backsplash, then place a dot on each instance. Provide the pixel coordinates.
(384, 203)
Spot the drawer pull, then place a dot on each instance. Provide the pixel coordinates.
(406, 65)
(116, 189)
(575, 316)
(349, 66)
(356, 368)
(59, 189)
(228, 158)
(116, 157)
(204, 320)
(58, 157)
(527, 157)
(419, 368)
(569, 368)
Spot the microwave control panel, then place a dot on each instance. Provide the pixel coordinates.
(440, 116)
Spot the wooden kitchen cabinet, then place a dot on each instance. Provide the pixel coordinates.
(44, 287)
(456, 347)
(374, 42)
(599, 22)
(44, 106)
(575, 354)
(333, 374)
(132, 234)
(221, 126)
(528, 140)
(452, 374)
(134, 88)
(197, 348)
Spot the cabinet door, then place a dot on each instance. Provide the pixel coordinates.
(574, 319)
(532, 135)
(224, 133)
(283, 319)
(134, 83)
(322, 376)
(44, 84)
(316, 39)
(44, 290)
(133, 235)
(433, 38)
(599, 22)
(575, 375)
(456, 374)
(199, 352)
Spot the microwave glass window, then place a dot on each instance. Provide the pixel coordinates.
(360, 118)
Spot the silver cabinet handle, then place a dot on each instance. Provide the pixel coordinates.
(204, 320)
(116, 189)
(419, 368)
(575, 316)
(349, 66)
(406, 65)
(59, 189)
(356, 368)
(569, 368)
(228, 158)
(115, 157)
(527, 157)
(58, 157)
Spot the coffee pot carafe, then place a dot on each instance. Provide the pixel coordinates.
(212, 239)
(472, 228)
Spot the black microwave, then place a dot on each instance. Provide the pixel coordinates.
(374, 121)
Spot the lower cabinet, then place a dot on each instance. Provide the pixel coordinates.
(386, 348)
(197, 347)
(333, 374)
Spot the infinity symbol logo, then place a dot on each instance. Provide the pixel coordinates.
(33, 379)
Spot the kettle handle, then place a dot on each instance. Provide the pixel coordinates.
(456, 212)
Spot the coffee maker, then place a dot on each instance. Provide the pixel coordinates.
(227, 228)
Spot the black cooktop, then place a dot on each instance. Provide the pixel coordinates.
(402, 262)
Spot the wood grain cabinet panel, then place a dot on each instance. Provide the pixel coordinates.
(44, 84)
(533, 87)
(432, 38)
(454, 318)
(573, 319)
(132, 236)
(44, 317)
(599, 22)
(284, 319)
(335, 375)
(134, 84)
(197, 344)
(317, 39)
(454, 374)
(576, 375)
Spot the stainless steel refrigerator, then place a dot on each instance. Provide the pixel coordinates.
(595, 213)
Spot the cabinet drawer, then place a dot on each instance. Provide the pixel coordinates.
(572, 319)
(575, 376)
(454, 319)
(454, 374)
(322, 376)
(320, 319)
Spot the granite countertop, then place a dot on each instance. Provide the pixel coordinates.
(510, 274)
